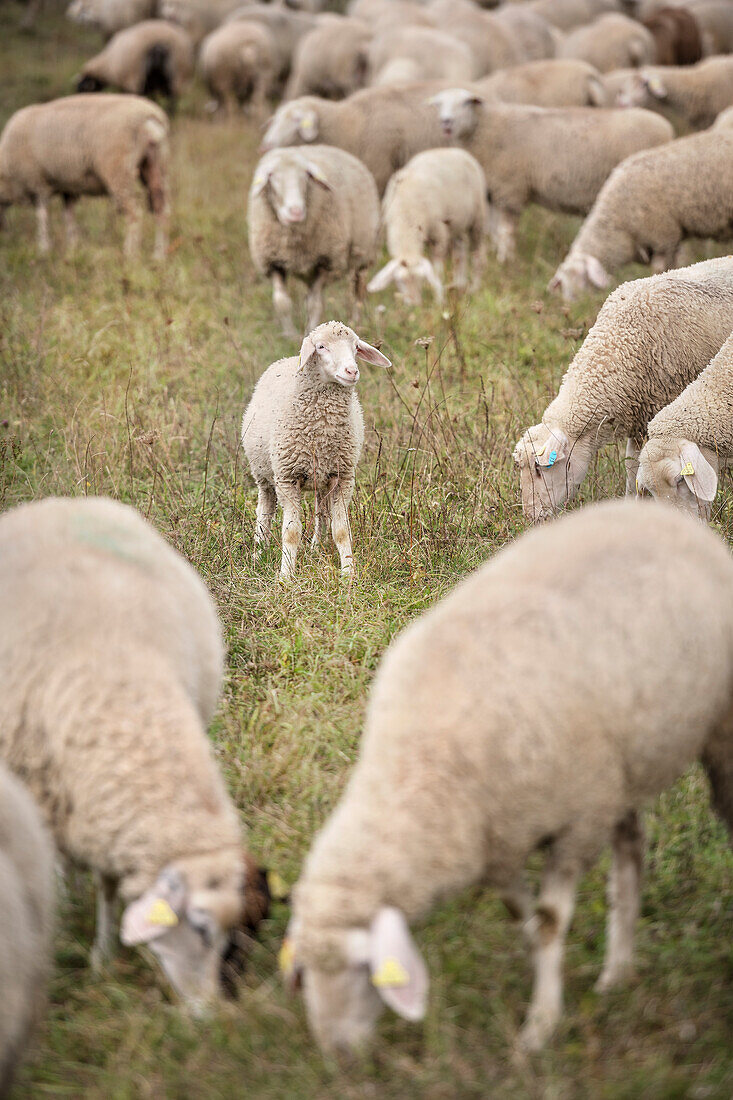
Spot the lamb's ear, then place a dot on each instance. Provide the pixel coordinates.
(555, 282)
(259, 183)
(155, 911)
(371, 355)
(700, 477)
(397, 969)
(307, 348)
(316, 174)
(425, 269)
(308, 125)
(383, 278)
(556, 447)
(655, 85)
(596, 272)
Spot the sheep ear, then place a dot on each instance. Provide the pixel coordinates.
(555, 448)
(371, 355)
(156, 911)
(383, 278)
(700, 477)
(596, 92)
(655, 85)
(316, 174)
(427, 271)
(259, 183)
(307, 349)
(397, 969)
(308, 126)
(596, 272)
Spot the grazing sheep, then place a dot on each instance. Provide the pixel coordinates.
(237, 64)
(652, 337)
(535, 37)
(286, 27)
(613, 42)
(312, 213)
(438, 200)
(477, 756)
(110, 16)
(111, 661)
(557, 157)
(304, 429)
(435, 54)
(89, 145)
(26, 919)
(331, 60)
(650, 204)
(383, 127)
(696, 93)
(152, 58)
(676, 36)
(558, 82)
(691, 438)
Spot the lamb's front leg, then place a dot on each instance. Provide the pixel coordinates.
(106, 889)
(342, 493)
(288, 497)
(43, 237)
(624, 898)
(265, 512)
(314, 301)
(503, 232)
(283, 305)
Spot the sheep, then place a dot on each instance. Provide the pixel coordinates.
(26, 920)
(237, 64)
(111, 662)
(649, 205)
(568, 14)
(383, 127)
(715, 20)
(651, 338)
(613, 42)
(331, 60)
(476, 757)
(110, 16)
(690, 439)
(494, 44)
(304, 429)
(88, 145)
(696, 93)
(558, 82)
(557, 157)
(286, 27)
(724, 119)
(312, 213)
(435, 54)
(535, 37)
(152, 58)
(676, 36)
(197, 17)
(437, 199)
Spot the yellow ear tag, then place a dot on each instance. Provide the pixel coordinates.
(286, 958)
(276, 886)
(637, 485)
(539, 453)
(687, 470)
(308, 125)
(160, 912)
(391, 973)
(259, 179)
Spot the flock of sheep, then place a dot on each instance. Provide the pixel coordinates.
(475, 754)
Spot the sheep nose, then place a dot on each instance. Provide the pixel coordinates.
(447, 128)
(295, 213)
(351, 372)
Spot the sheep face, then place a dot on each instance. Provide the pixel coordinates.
(458, 112)
(551, 468)
(186, 917)
(292, 124)
(677, 472)
(577, 273)
(350, 980)
(641, 90)
(286, 176)
(331, 351)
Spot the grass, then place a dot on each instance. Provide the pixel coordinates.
(132, 382)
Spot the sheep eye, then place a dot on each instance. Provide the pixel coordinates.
(321, 347)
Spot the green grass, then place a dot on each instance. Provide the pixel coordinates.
(132, 382)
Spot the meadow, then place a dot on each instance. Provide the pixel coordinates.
(131, 381)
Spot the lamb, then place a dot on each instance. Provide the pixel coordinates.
(88, 145)
(238, 65)
(559, 158)
(152, 58)
(676, 35)
(474, 757)
(652, 337)
(690, 439)
(437, 199)
(649, 205)
(304, 429)
(331, 60)
(383, 127)
(435, 54)
(314, 214)
(696, 94)
(558, 82)
(613, 42)
(110, 16)
(26, 920)
(111, 661)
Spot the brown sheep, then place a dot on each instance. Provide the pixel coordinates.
(676, 36)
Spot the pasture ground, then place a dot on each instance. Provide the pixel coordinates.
(128, 381)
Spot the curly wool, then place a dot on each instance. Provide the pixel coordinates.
(703, 412)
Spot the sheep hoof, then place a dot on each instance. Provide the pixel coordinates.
(614, 979)
(535, 1033)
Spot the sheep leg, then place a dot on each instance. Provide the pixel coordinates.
(103, 939)
(258, 102)
(359, 294)
(460, 261)
(314, 301)
(440, 249)
(323, 516)
(70, 226)
(283, 305)
(129, 206)
(633, 450)
(340, 529)
(546, 932)
(44, 240)
(624, 901)
(288, 497)
(519, 900)
(154, 174)
(503, 227)
(478, 260)
(265, 514)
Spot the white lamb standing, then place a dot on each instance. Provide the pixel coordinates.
(600, 692)
(304, 429)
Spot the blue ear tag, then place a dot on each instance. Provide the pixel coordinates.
(552, 458)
